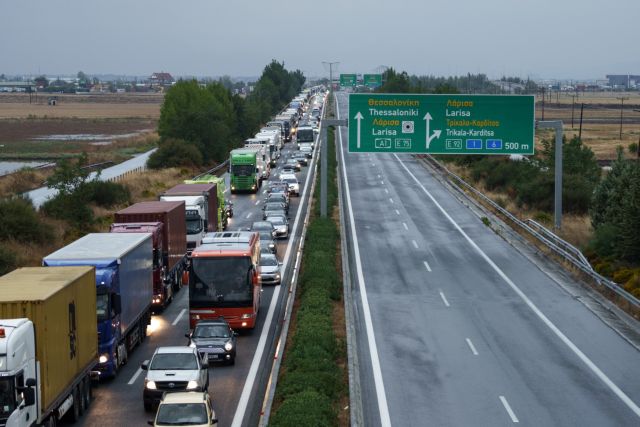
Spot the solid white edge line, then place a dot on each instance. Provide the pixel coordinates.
(383, 408)
(426, 265)
(444, 299)
(583, 357)
(241, 409)
(509, 410)
(472, 347)
(179, 316)
(415, 244)
(135, 376)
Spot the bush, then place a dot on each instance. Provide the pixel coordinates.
(107, 194)
(72, 208)
(21, 222)
(8, 261)
(175, 152)
(307, 408)
(605, 238)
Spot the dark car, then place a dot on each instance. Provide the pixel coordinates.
(295, 164)
(277, 197)
(214, 339)
(266, 240)
(271, 207)
(263, 226)
(301, 158)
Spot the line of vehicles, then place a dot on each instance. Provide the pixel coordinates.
(79, 316)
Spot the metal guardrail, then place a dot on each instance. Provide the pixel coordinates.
(561, 247)
(214, 170)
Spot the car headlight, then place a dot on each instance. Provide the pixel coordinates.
(192, 344)
(228, 346)
(278, 276)
(150, 385)
(192, 385)
(104, 358)
(271, 245)
(246, 316)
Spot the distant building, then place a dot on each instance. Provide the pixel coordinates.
(627, 81)
(161, 79)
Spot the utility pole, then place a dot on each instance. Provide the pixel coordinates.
(573, 106)
(622, 99)
(543, 98)
(330, 64)
(581, 111)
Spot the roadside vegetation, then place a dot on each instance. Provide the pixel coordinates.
(200, 125)
(313, 388)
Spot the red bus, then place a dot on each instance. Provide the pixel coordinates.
(224, 279)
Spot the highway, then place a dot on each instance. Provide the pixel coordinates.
(456, 327)
(237, 391)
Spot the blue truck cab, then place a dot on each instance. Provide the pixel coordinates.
(124, 289)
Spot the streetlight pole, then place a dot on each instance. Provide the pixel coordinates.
(330, 64)
(622, 99)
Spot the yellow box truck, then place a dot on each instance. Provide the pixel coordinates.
(48, 344)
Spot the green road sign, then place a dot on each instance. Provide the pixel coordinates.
(348, 80)
(441, 124)
(372, 80)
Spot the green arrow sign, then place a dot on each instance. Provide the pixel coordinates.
(348, 80)
(372, 80)
(441, 124)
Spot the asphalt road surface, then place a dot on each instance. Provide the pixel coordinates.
(455, 327)
(236, 400)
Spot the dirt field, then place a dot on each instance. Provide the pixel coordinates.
(601, 119)
(117, 106)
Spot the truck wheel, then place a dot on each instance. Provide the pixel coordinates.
(81, 400)
(52, 421)
(75, 410)
(86, 392)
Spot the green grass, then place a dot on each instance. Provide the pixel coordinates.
(311, 381)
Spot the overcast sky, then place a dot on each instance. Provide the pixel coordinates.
(537, 38)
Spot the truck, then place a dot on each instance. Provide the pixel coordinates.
(280, 124)
(224, 279)
(271, 153)
(225, 207)
(49, 344)
(244, 171)
(123, 287)
(201, 210)
(264, 157)
(288, 124)
(162, 290)
(174, 238)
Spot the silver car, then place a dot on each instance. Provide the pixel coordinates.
(281, 224)
(270, 271)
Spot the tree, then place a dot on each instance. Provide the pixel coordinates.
(41, 81)
(395, 82)
(69, 175)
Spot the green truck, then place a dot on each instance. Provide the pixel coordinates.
(225, 207)
(244, 170)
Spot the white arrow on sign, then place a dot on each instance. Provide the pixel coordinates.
(358, 117)
(436, 133)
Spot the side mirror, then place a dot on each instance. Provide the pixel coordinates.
(205, 364)
(188, 335)
(145, 365)
(235, 334)
(29, 396)
(31, 382)
(150, 423)
(116, 303)
(214, 421)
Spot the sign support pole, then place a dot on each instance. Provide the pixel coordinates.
(557, 125)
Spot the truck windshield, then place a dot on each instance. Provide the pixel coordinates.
(102, 306)
(7, 397)
(243, 170)
(194, 225)
(181, 414)
(221, 282)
